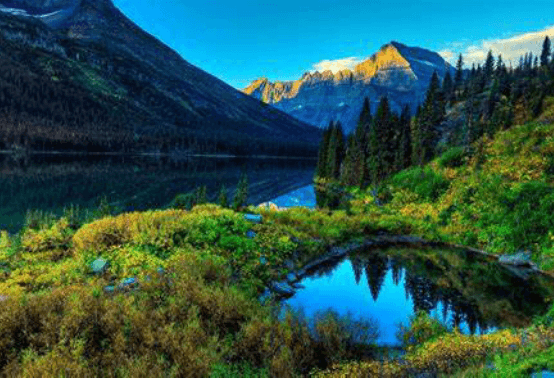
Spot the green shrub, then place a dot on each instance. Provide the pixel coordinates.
(426, 183)
(453, 157)
(422, 328)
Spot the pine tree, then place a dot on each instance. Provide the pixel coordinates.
(321, 170)
(382, 126)
(241, 193)
(459, 73)
(488, 69)
(365, 115)
(447, 88)
(404, 151)
(432, 114)
(335, 151)
(201, 194)
(222, 197)
(546, 51)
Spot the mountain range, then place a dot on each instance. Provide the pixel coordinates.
(101, 82)
(400, 72)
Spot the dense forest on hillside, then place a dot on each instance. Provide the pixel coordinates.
(84, 98)
(488, 98)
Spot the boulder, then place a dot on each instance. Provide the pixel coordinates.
(263, 260)
(254, 218)
(99, 266)
(519, 259)
(282, 288)
(291, 277)
(250, 234)
(128, 283)
(109, 289)
(3, 298)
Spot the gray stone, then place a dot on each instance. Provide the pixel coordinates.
(519, 259)
(254, 218)
(282, 288)
(263, 260)
(298, 286)
(250, 234)
(3, 298)
(128, 283)
(109, 289)
(99, 266)
(291, 277)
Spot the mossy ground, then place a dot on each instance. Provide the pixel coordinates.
(202, 317)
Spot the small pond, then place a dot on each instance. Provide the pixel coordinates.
(454, 286)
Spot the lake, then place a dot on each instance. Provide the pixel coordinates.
(454, 286)
(50, 182)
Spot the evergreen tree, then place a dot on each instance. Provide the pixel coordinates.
(322, 159)
(241, 193)
(488, 69)
(404, 151)
(201, 194)
(432, 114)
(373, 156)
(335, 151)
(365, 115)
(382, 126)
(222, 197)
(459, 73)
(448, 88)
(546, 51)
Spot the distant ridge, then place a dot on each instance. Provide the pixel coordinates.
(396, 70)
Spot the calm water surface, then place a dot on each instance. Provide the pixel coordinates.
(390, 285)
(52, 182)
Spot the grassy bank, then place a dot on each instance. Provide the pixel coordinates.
(201, 317)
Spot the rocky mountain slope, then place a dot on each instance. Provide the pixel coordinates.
(400, 72)
(142, 89)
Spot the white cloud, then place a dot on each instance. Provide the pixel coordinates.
(337, 65)
(511, 48)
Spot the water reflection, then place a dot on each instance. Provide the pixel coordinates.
(392, 284)
(51, 182)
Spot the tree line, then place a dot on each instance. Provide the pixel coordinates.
(491, 97)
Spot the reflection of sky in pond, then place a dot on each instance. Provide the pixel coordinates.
(340, 291)
(304, 196)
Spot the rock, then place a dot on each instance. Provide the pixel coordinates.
(3, 298)
(254, 218)
(250, 234)
(282, 288)
(263, 260)
(128, 283)
(99, 266)
(298, 286)
(109, 289)
(291, 277)
(519, 259)
(543, 374)
(289, 264)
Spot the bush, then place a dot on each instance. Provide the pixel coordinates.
(422, 328)
(426, 183)
(453, 157)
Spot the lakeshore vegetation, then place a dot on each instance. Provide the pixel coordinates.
(202, 317)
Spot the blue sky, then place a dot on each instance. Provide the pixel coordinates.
(241, 40)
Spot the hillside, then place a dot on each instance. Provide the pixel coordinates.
(397, 71)
(101, 83)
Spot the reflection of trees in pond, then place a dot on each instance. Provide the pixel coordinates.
(357, 267)
(376, 269)
(422, 291)
(396, 269)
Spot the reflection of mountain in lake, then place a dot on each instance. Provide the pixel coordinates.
(51, 182)
(458, 288)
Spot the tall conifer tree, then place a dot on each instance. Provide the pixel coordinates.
(546, 51)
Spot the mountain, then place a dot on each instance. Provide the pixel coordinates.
(400, 72)
(81, 75)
